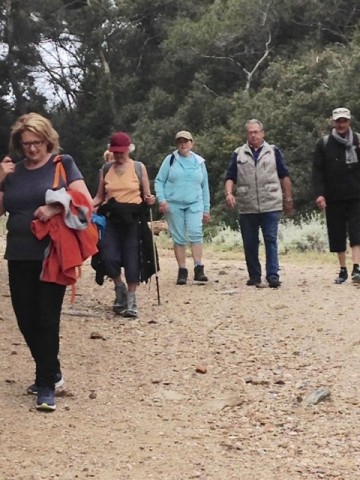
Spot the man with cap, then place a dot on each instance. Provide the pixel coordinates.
(336, 183)
(182, 190)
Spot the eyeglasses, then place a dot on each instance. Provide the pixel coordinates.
(36, 144)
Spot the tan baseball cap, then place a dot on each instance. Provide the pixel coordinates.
(184, 134)
(341, 113)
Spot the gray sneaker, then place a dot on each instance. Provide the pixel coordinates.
(59, 382)
(120, 302)
(45, 399)
(355, 276)
(131, 309)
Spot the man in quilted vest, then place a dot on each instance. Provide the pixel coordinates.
(263, 190)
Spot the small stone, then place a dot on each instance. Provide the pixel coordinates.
(201, 369)
(156, 380)
(93, 395)
(317, 396)
(96, 335)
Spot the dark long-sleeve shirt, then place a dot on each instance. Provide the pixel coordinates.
(332, 177)
(282, 169)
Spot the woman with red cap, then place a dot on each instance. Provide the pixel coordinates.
(123, 190)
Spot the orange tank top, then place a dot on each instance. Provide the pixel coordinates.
(124, 188)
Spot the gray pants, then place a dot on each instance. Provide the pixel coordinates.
(120, 248)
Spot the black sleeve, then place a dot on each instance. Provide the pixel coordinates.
(231, 173)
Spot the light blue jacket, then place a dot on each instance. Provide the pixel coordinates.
(185, 182)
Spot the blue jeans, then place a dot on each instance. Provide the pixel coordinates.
(250, 224)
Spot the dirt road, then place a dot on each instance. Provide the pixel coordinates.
(209, 385)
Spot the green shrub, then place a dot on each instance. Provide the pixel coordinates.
(307, 235)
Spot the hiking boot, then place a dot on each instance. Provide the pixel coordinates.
(199, 274)
(59, 382)
(274, 283)
(131, 310)
(120, 302)
(45, 399)
(342, 277)
(182, 276)
(355, 275)
(253, 281)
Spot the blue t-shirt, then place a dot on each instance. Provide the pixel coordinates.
(24, 191)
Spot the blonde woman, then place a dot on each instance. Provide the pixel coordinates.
(37, 304)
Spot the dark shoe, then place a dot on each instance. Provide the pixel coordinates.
(182, 276)
(274, 283)
(355, 276)
(131, 310)
(199, 274)
(59, 382)
(120, 302)
(45, 399)
(253, 281)
(342, 277)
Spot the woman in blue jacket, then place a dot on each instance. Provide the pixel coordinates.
(182, 190)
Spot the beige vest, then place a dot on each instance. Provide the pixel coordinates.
(258, 185)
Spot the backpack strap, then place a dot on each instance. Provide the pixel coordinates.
(172, 158)
(60, 172)
(325, 140)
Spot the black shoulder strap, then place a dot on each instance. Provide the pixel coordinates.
(105, 168)
(138, 171)
(172, 158)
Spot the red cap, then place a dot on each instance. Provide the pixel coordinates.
(120, 142)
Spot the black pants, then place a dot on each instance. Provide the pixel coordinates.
(343, 219)
(37, 306)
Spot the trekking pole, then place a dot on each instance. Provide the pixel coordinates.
(155, 256)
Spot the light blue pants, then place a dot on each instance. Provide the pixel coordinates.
(185, 224)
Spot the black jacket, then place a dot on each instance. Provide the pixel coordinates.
(123, 215)
(332, 177)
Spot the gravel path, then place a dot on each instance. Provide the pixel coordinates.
(211, 384)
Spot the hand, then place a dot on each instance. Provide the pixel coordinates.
(321, 202)
(163, 207)
(150, 199)
(288, 207)
(7, 167)
(46, 212)
(230, 200)
(206, 217)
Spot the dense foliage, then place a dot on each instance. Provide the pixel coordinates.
(152, 68)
